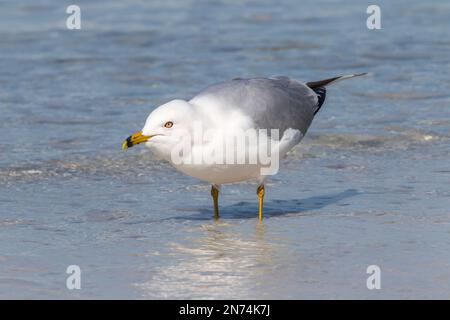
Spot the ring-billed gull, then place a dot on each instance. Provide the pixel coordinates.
(194, 136)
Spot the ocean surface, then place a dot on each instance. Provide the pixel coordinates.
(369, 185)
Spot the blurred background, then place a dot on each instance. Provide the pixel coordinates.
(369, 185)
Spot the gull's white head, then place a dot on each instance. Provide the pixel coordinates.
(164, 128)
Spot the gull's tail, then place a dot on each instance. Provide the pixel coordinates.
(326, 82)
(319, 86)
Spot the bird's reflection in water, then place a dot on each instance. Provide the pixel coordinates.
(227, 261)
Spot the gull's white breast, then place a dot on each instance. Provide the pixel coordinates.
(220, 174)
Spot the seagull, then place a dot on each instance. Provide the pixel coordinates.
(274, 106)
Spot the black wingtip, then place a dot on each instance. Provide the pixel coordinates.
(321, 94)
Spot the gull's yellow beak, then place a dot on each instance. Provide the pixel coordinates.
(136, 138)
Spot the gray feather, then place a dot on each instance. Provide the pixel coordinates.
(272, 103)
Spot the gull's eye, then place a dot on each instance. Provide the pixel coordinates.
(168, 124)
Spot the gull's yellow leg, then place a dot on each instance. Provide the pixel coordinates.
(215, 195)
(260, 193)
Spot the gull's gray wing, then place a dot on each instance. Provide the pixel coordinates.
(272, 103)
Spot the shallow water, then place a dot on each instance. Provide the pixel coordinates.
(369, 185)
